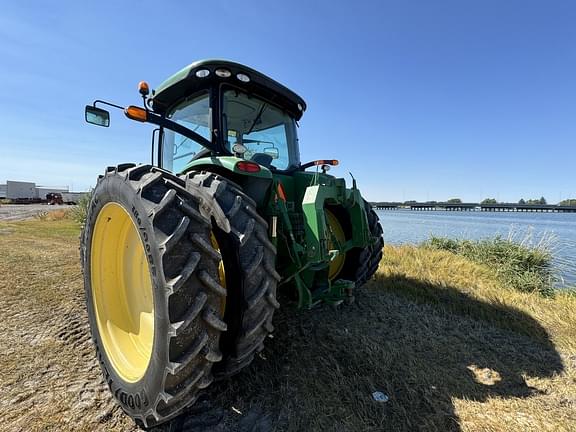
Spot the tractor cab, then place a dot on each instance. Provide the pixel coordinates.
(239, 111)
(218, 108)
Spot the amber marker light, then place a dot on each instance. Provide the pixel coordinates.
(136, 113)
(281, 192)
(332, 162)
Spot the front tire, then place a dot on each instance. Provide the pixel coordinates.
(362, 263)
(153, 293)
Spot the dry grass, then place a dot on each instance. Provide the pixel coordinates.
(437, 333)
(55, 215)
(448, 281)
(50, 380)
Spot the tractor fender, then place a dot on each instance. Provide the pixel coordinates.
(226, 163)
(314, 202)
(255, 184)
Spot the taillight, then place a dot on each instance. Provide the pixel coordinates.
(250, 167)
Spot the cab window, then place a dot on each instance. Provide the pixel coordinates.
(178, 150)
(264, 133)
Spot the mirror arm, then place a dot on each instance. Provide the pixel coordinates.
(168, 124)
(106, 103)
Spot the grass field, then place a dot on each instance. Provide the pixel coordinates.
(451, 347)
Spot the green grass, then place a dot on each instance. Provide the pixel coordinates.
(42, 228)
(79, 212)
(518, 266)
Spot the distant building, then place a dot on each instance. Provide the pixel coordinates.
(27, 190)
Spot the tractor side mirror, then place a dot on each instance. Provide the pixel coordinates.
(97, 116)
(272, 151)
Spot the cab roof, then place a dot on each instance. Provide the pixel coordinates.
(190, 80)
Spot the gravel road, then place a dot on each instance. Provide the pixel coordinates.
(26, 211)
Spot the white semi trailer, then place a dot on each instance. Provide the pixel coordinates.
(21, 190)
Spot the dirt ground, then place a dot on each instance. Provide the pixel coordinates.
(442, 371)
(13, 212)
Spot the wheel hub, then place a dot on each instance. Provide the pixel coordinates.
(335, 241)
(122, 292)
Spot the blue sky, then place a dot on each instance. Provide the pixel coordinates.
(418, 99)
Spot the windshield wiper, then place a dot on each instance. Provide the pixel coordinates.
(177, 146)
(256, 119)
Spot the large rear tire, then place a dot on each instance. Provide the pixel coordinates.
(251, 279)
(153, 292)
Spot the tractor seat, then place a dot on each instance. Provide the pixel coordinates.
(262, 159)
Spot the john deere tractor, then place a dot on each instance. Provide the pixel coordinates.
(183, 258)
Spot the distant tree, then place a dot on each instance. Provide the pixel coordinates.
(454, 201)
(410, 202)
(541, 201)
(521, 201)
(489, 201)
(568, 202)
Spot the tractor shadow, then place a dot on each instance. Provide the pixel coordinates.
(423, 345)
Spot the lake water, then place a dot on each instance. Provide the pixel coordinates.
(556, 230)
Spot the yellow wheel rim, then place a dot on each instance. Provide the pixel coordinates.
(335, 241)
(122, 292)
(221, 272)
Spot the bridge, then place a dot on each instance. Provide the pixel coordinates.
(504, 207)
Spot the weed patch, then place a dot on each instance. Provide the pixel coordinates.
(517, 266)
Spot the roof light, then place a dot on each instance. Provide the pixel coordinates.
(242, 77)
(250, 167)
(202, 73)
(143, 88)
(223, 73)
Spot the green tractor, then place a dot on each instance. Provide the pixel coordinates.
(183, 258)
